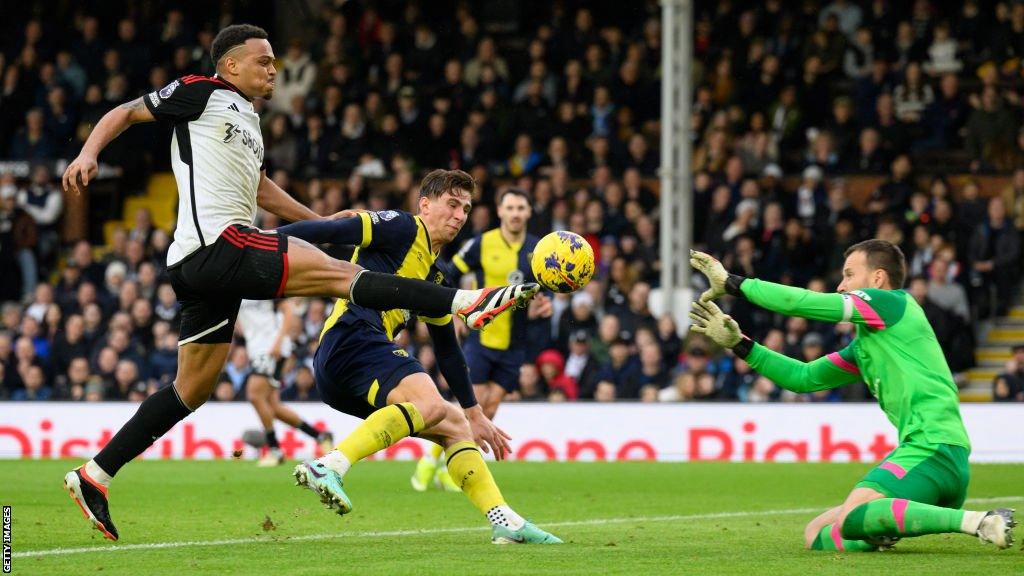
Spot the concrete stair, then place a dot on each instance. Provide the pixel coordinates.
(161, 198)
(993, 351)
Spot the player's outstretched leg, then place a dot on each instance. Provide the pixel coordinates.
(413, 405)
(898, 518)
(313, 273)
(88, 485)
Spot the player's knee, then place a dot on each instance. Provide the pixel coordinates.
(432, 410)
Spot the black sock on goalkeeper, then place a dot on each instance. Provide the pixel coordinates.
(155, 416)
(381, 291)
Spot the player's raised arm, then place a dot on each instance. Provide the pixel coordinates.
(875, 308)
(452, 363)
(836, 369)
(84, 167)
(273, 199)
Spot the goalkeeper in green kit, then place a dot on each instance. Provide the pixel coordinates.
(920, 487)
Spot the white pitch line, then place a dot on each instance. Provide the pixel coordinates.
(422, 532)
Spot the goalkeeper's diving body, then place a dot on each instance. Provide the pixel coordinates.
(362, 372)
(920, 487)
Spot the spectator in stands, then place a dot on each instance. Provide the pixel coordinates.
(18, 239)
(990, 131)
(1008, 385)
(995, 255)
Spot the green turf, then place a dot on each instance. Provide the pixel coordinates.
(168, 502)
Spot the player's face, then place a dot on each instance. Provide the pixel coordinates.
(514, 212)
(446, 214)
(858, 275)
(253, 71)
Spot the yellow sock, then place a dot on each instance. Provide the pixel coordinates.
(435, 452)
(380, 430)
(470, 472)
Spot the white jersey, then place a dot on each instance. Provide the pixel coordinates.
(216, 155)
(260, 323)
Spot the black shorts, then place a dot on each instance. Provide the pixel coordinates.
(356, 367)
(244, 263)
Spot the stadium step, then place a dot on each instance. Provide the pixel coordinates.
(1006, 335)
(161, 199)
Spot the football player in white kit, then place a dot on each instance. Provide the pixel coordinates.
(218, 258)
(268, 343)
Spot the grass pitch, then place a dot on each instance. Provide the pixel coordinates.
(229, 517)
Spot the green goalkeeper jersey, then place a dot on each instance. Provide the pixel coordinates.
(895, 353)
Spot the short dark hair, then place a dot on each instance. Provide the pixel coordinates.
(884, 255)
(232, 36)
(514, 192)
(439, 181)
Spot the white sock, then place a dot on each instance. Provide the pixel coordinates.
(336, 461)
(464, 298)
(96, 473)
(971, 522)
(502, 515)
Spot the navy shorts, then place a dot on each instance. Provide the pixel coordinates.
(356, 367)
(490, 365)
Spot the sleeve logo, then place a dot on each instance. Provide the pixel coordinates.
(166, 91)
(862, 295)
(387, 215)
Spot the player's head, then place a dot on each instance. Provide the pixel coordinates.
(446, 197)
(243, 56)
(514, 210)
(873, 264)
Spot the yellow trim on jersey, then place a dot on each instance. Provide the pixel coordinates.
(371, 396)
(367, 229)
(340, 304)
(498, 259)
(460, 264)
(416, 264)
(442, 321)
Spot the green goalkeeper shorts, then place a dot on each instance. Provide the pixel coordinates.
(935, 474)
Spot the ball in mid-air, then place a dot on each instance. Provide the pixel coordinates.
(563, 262)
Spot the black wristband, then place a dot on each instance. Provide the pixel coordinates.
(743, 348)
(732, 284)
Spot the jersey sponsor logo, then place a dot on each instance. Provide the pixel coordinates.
(400, 352)
(166, 91)
(231, 131)
(862, 295)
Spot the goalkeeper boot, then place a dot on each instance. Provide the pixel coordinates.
(528, 534)
(326, 483)
(425, 469)
(997, 528)
(91, 497)
(443, 480)
(479, 307)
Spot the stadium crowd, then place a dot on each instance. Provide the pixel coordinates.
(567, 109)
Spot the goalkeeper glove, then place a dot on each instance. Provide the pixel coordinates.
(720, 280)
(709, 320)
